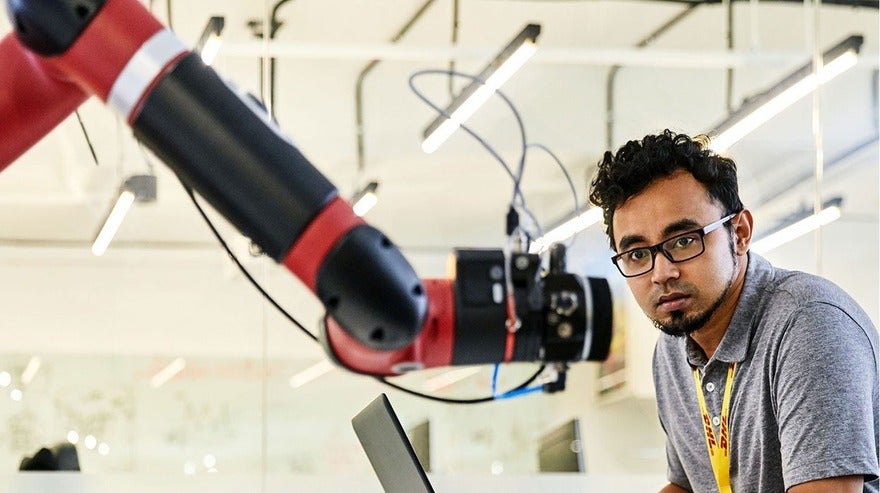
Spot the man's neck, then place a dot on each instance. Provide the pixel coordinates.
(710, 335)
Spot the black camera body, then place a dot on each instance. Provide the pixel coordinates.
(563, 317)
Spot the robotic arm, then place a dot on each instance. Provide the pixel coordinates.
(381, 318)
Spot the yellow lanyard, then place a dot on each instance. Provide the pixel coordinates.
(719, 450)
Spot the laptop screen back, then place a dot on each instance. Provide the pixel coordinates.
(389, 449)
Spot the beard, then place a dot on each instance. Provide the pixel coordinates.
(681, 325)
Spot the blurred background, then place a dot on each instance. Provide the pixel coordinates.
(159, 357)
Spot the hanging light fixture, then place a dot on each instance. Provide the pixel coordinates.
(313, 372)
(761, 108)
(365, 199)
(799, 224)
(449, 378)
(211, 40)
(30, 370)
(167, 373)
(137, 188)
(567, 229)
(502, 68)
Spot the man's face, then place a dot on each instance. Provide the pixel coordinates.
(678, 297)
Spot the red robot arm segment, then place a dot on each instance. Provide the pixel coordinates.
(433, 348)
(229, 152)
(32, 102)
(382, 319)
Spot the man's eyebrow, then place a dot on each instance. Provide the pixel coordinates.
(629, 240)
(679, 226)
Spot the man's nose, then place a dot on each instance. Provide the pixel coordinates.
(664, 269)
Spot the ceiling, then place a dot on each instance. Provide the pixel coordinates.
(166, 289)
(55, 197)
(458, 195)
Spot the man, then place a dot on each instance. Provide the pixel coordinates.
(766, 379)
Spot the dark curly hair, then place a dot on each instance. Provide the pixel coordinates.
(638, 163)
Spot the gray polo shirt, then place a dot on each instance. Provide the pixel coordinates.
(805, 398)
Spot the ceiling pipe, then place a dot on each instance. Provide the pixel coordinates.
(729, 76)
(258, 29)
(665, 58)
(871, 4)
(612, 74)
(273, 30)
(359, 86)
(455, 12)
(837, 164)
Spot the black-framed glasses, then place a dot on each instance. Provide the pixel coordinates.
(679, 248)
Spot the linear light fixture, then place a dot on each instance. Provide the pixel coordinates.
(30, 371)
(313, 372)
(761, 108)
(137, 188)
(798, 225)
(449, 378)
(567, 229)
(165, 374)
(365, 199)
(211, 40)
(469, 100)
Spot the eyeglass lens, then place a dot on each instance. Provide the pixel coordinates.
(677, 249)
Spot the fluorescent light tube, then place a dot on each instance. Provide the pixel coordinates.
(311, 373)
(799, 228)
(567, 229)
(502, 68)
(165, 374)
(136, 188)
(765, 106)
(211, 49)
(210, 40)
(114, 220)
(365, 199)
(30, 370)
(448, 378)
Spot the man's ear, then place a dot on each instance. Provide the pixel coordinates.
(742, 231)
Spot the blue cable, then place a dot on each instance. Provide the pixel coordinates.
(512, 393)
(520, 392)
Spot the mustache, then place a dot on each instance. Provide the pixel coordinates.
(672, 287)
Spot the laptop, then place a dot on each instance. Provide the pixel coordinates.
(389, 450)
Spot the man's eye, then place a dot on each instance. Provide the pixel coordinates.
(683, 242)
(638, 255)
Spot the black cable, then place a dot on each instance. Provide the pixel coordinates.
(562, 167)
(517, 178)
(243, 270)
(574, 193)
(517, 191)
(571, 186)
(299, 325)
(478, 400)
(150, 168)
(521, 168)
(86, 135)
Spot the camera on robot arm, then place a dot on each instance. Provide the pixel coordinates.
(382, 319)
(564, 317)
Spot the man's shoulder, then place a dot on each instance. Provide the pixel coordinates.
(795, 289)
(813, 301)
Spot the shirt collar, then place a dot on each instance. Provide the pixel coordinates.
(735, 344)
